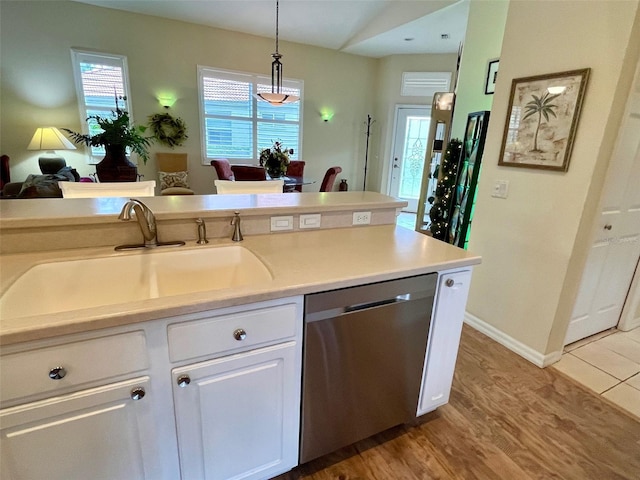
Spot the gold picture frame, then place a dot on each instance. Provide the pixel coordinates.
(543, 118)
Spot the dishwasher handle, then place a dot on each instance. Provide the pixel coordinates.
(361, 307)
(378, 303)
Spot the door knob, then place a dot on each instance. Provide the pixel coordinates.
(240, 334)
(57, 373)
(449, 282)
(183, 381)
(137, 393)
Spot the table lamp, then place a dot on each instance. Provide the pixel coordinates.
(50, 139)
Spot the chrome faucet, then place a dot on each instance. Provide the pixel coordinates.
(147, 221)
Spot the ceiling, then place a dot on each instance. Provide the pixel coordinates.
(373, 28)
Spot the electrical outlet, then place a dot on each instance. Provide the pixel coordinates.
(281, 223)
(361, 218)
(310, 221)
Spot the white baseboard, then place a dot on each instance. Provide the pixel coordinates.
(511, 343)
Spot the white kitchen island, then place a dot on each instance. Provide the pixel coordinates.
(205, 384)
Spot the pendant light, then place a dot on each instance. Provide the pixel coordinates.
(276, 97)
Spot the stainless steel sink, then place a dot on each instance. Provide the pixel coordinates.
(77, 284)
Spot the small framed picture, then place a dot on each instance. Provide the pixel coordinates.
(492, 76)
(542, 120)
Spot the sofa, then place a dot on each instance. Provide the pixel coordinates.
(44, 185)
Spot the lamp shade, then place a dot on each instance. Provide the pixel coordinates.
(49, 138)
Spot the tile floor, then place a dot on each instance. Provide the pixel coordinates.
(407, 220)
(609, 364)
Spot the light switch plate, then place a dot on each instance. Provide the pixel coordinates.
(500, 189)
(311, 220)
(281, 223)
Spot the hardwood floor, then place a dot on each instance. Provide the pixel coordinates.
(506, 419)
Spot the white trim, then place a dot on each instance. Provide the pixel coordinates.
(386, 166)
(631, 305)
(79, 55)
(511, 343)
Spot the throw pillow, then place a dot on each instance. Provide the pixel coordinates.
(173, 179)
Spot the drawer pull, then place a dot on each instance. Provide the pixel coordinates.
(239, 334)
(137, 393)
(449, 282)
(183, 381)
(57, 373)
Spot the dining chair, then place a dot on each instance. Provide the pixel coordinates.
(295, 169)
(172, 171)
(248, 172)
(329, 179)
(107, 189)
(223, 169)
(249, 186)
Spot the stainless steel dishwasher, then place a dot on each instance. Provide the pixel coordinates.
(364, 352)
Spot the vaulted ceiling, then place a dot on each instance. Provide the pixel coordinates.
(374, 28)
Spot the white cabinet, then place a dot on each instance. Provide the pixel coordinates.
(238, 414)
(444, 339)
(98, 433)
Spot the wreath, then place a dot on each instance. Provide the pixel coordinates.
(168, 130)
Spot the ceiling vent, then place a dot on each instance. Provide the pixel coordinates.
(424, 84)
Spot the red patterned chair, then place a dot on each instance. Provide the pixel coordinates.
(223, 169)
(248, 172)
(329, 179)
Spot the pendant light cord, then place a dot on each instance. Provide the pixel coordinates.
(277, 11)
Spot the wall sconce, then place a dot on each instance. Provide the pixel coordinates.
(326, 115)
(166, 101)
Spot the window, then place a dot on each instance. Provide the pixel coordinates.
(100, 77)
(235, 125)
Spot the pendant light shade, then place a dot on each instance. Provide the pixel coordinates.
(276, 97)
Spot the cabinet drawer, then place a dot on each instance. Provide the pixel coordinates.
(28, 373)
(222, 334)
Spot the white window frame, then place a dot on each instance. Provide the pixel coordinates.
(87, 56)
(211, 72)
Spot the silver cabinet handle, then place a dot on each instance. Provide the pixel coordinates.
(240, 334)
(57, 373)
(183, 381)
(607, 227)
(449, 282)
(137, 393)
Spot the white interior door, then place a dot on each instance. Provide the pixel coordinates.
(616, 238)
(410, 144)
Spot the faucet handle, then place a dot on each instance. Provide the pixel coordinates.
(235, 221)
(202, 232)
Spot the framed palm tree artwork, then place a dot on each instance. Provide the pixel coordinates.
(543, 118)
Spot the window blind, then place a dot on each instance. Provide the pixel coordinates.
(235, 125)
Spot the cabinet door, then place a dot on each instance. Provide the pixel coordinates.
(238, 416)
(444, 339)
(96, 434)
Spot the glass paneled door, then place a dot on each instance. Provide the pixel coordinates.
(407, 162)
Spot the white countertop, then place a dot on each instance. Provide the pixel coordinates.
(300, 262)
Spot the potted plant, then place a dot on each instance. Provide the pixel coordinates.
(275, 160)
(116, 136)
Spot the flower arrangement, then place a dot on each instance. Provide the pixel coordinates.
(275, 160)
(116, 131)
